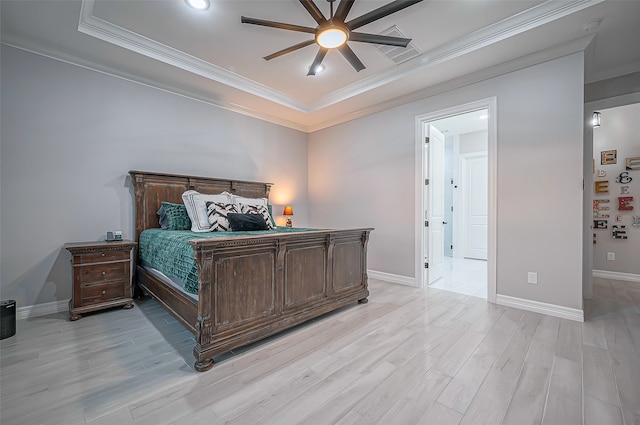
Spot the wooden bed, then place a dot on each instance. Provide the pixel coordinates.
(250, 287)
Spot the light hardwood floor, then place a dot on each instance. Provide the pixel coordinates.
(410, 356)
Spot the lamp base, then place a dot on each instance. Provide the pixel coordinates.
(289, 223)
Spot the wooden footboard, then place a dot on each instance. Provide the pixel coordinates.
(252, 287)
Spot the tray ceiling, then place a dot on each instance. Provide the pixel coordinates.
(211, 56)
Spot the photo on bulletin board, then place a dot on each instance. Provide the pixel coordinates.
(608, 157)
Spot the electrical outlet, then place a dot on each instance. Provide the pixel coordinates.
(532, 278)
(611, 256)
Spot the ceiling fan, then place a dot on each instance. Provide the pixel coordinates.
(334, 32)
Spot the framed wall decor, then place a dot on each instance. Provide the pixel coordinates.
(624, 203)
(602, 186)
(619, 232)
(608, 157)
(600, 224)
(633, 163)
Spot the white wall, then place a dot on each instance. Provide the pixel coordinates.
(618, 132)
(361, 173)
(68, 138)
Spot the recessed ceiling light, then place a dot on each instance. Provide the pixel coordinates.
(198, 4)
(320, 68)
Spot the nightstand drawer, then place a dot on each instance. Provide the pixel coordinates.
(93, 294)
(101, 273)
(102, 256)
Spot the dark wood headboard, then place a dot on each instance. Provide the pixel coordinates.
(150, 189)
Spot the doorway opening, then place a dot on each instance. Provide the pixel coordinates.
(458, 199)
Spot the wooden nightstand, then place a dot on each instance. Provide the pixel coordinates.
(101, 276)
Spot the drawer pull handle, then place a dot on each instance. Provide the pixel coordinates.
(104, 273)
(104, 292)
(103, 254)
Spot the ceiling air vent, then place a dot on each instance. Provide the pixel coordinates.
(398, 54)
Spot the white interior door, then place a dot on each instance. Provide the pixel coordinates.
(434, 252)
(475, 194)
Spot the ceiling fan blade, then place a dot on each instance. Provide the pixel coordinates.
(313, 10)
(317, 61)
(289, 50)
(351, 57)
(278, 25)
(343, 10)
(379, 39)
(380, 12)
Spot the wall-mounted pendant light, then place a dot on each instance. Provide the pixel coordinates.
(596, 119)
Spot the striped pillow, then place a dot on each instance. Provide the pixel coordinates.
(217, 214)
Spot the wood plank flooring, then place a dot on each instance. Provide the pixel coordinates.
(410, 356)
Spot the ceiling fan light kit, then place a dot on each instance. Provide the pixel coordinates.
(334, 32)
(331, 37)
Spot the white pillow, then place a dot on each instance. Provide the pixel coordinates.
(196, 204)
(249, 201)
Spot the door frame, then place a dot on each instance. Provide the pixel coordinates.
(420, 174)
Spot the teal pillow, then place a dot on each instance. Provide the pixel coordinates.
(270, 208)
(176, 217)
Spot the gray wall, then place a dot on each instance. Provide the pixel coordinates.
(68, 138)
(362, 173)
(618, 132)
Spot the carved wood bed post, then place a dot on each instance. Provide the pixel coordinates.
(365, 240)
(204, 261)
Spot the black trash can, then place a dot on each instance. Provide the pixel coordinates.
(7, 318)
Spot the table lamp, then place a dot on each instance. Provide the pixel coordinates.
(288, 212)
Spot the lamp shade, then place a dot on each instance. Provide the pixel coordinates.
(287, 210)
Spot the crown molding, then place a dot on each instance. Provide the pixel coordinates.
(556, 52)
(529, 19)
(509, 27)
(114, 34)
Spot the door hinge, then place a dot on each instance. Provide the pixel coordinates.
(451, 246)
(426, 223)
(452, 208)
(426, 265)
(426, 140)
(426, 182)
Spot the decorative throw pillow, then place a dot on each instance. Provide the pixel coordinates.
(246, 222)
(163, 220)
(255, 202)
(197, 208)
(217, 213)
(260, 210)
(175, 217)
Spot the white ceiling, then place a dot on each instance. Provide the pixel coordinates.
(210, 55)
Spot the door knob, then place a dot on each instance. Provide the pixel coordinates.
(444, 222)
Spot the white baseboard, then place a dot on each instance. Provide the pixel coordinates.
(630, 277)
(42, 309)
(393, 278)
(543, 308)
